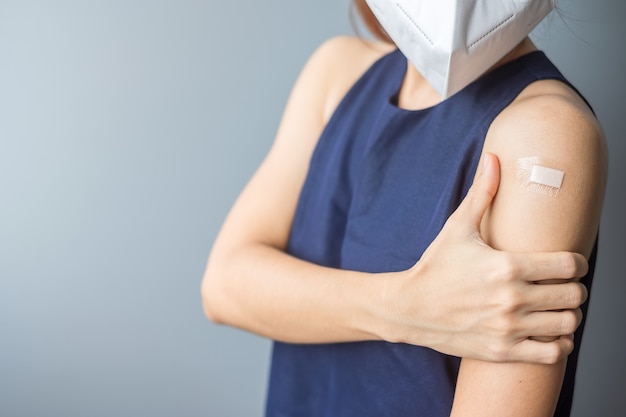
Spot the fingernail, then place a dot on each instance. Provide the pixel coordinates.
(484, 163)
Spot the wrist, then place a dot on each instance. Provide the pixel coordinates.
(396, 308)
(365, 313)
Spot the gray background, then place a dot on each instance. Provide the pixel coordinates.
(127, 128)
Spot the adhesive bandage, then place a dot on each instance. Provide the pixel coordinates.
(536, 177)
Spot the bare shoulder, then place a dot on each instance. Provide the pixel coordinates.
(549, 129)
(552, 124)
(340, 61)
(325, 78)
(551, 120)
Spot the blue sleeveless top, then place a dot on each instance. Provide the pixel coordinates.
(382, 181)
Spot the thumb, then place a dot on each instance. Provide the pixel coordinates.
(482, 191)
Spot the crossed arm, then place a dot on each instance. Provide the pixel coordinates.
(251, 283)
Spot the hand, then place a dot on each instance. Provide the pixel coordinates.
(466, 299)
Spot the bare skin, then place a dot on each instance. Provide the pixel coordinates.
(252, 284)
(551, 121)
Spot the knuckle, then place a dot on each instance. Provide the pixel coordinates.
(511, 301)
(507, 270)
(577, 294)
(581, 294)
(506, 328)
(578, 313)
(569, 265)
(568, 347)
(570, 321)
(554, 354)
(500, 351)
(557, 351)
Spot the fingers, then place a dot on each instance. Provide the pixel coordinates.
(548, 353)
(553, 323)
(553, 265)
(481, 193)
(567, 296)
(489, 177)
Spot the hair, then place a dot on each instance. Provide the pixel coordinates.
(369, 20)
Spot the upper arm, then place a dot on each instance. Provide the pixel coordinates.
(554, 130)
(264, 210)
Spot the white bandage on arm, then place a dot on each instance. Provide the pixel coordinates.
(538, 178)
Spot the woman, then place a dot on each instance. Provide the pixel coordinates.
(360, 248)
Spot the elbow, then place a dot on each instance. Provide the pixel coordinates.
(211, 292)
(224, 290)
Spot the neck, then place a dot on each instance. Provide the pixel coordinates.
(416, 93)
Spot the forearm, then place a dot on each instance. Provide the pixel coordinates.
(507, 389)
(268, 292)
(251, 283)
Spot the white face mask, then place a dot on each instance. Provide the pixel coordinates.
(453, 42)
